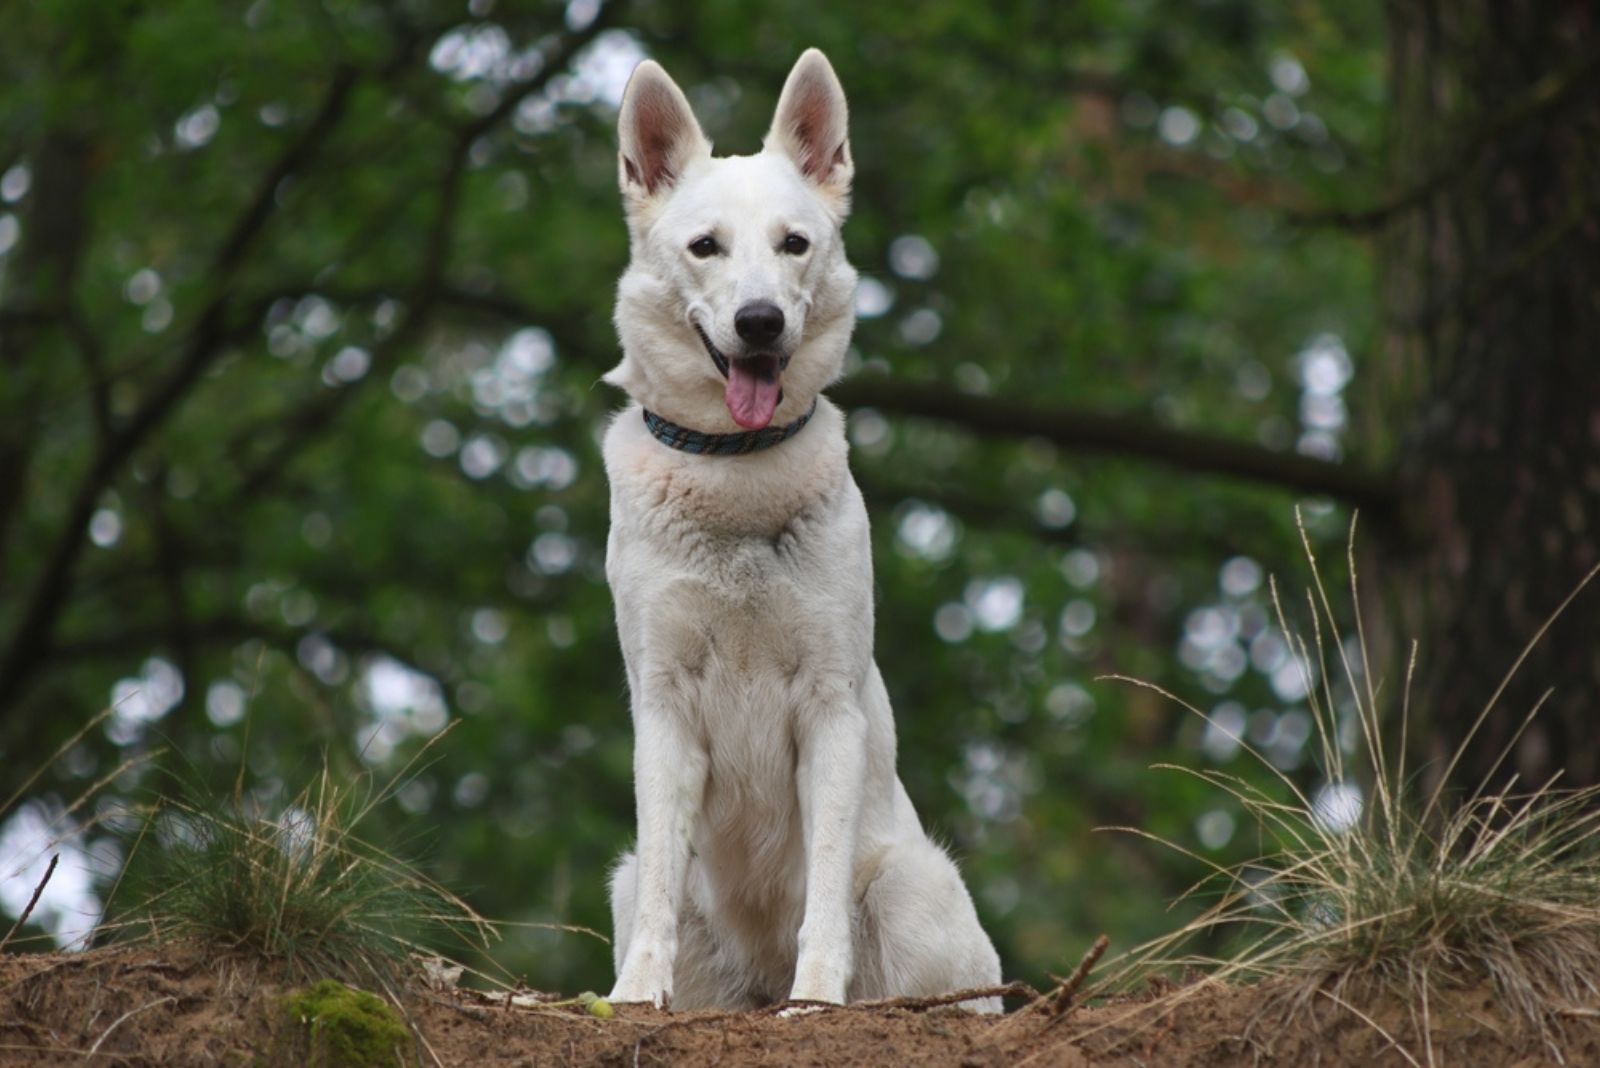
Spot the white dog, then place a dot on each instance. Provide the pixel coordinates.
(778, 854)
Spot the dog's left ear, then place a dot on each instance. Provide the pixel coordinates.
(812, 127)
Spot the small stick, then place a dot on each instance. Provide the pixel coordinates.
(471, 1012)
(1063, 997)
(51, 870)
(511, 995)
(1017, 989)
(118, 1022)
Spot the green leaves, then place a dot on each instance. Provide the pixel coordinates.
(375, 475)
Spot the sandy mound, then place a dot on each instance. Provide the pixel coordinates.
(170, 1006)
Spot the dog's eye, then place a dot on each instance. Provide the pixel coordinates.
(703, 246)
(794, 244)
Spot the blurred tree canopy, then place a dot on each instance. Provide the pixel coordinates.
(304, 304)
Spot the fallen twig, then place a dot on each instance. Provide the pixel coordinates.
(471, 1012)
(1062, 1001)
(34, 900)
(1016, 989)
(120, 1020)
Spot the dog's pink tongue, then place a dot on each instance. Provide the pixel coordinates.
(751, 397)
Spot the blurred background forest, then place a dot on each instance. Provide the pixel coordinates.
(303, 305)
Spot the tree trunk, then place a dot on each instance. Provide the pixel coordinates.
(1492, 269)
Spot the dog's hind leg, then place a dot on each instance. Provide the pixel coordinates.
(624, 887)
(917, 932)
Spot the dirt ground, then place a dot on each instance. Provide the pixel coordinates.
(145, 1006)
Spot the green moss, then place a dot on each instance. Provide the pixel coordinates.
(340, 1027)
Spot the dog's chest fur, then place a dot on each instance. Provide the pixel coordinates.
(738, 529)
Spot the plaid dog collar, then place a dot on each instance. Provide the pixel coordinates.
(682, 438)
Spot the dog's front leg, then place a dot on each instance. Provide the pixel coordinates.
(832, 760)
(669, 779)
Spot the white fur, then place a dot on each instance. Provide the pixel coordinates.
(778, 854)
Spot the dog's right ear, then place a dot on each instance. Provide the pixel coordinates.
(657, 133)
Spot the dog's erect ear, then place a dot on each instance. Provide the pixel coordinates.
(812, 125)
(656, 131)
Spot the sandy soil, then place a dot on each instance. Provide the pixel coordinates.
(170, 1006)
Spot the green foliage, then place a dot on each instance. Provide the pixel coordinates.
(341, 1027)
(375, 502)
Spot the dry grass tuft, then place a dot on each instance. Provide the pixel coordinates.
(1417, 894)
(297, 887)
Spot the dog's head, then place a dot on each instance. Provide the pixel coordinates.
(737, 305)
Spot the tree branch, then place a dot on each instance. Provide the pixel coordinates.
(1545, 95)
(1086, 431)
(31, 638)
(969, 508)
(1075, 429)
(214, 631)
(41, 282)
(254, 218)
(31, 641)
(1010, 517)
(93, 353)
(512, 96)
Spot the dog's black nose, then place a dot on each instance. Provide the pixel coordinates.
(759, 322)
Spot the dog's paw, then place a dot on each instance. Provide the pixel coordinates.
(643, 985)
(820, 979)
(646, 975)
(628, 993)
(803, 1008)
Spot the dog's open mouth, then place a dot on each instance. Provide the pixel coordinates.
(753, 390)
